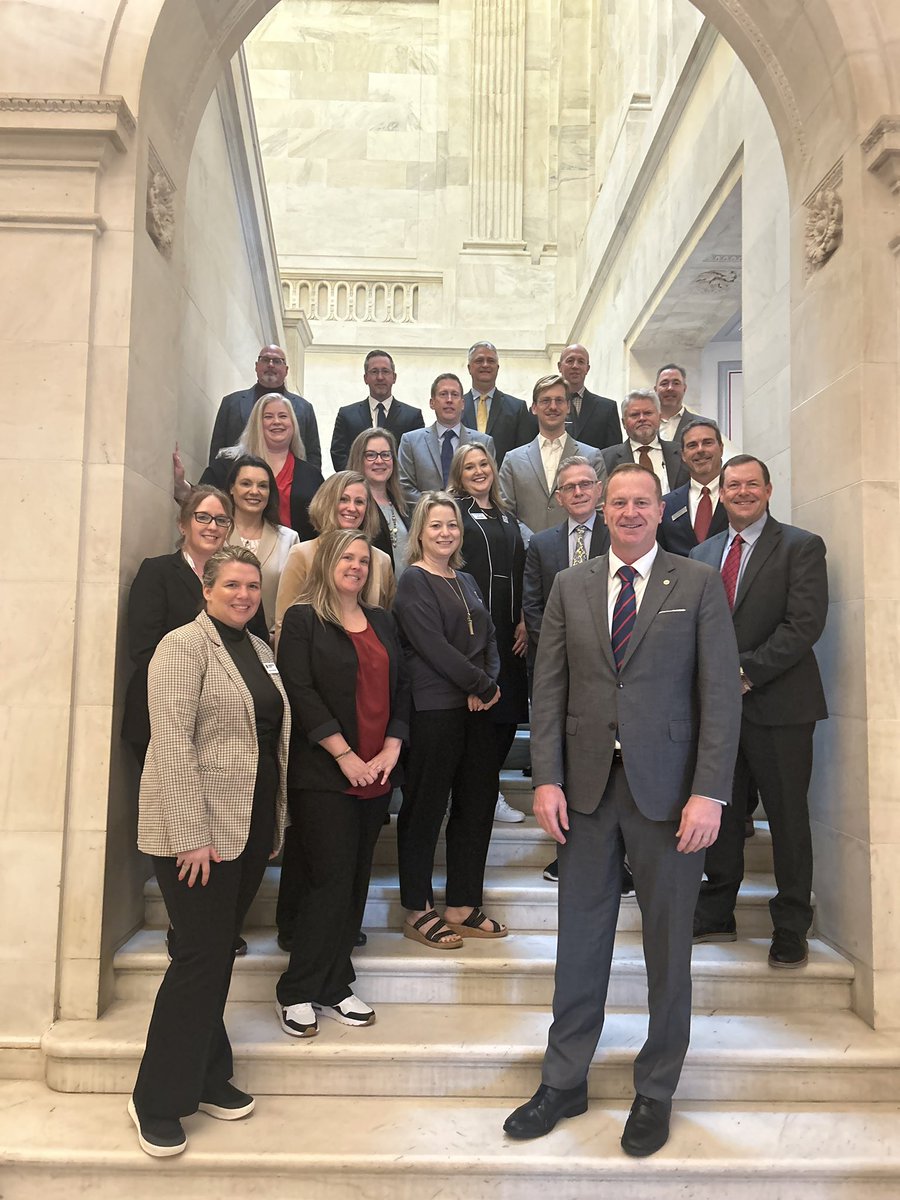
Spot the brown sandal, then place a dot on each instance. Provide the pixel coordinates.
(436, 937)
(471, 926)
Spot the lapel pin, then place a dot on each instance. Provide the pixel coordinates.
(665, 583)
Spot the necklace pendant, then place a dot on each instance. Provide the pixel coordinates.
(471, 626)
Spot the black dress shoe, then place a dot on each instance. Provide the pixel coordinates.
(285, 941)
(547, 1106)
(647, 1127)
(788, 950)
(627, 880)
(361, 939)
(714, 933)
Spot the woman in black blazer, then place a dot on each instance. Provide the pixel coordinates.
(272, 433)
(345, 676)
(494, 555)
(167, 593)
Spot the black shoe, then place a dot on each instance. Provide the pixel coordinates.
(285, 942)
(361, 938)
(551, 871)
(647, 1127)
(240, 945)
(627, 880)
(714, 933)
(227, 1103)
(160, 1137)
(788, 950)
(547, 1106)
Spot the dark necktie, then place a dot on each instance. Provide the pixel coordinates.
(446, 453)
(703, 516)
(623, 614)
(731, 568)
(380, 415)
(644, 459)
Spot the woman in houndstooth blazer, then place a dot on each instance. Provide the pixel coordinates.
(213, 808)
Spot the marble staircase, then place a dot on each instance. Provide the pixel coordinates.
(785, 1089)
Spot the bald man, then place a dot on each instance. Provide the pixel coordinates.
(234, 411)
(593, 419)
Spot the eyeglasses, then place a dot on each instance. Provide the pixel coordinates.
(269, 360)
(377, 455)
(580, 485)
(203, 518)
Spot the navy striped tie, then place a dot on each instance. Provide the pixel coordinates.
(623, 614)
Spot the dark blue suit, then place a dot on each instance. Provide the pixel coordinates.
(676, 533)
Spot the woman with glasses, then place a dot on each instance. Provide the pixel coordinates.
(374, 455)
(167, 593)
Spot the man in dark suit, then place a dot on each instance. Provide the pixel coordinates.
(670, 387)
(380, 409)
(593, 419)
(634, 731)
(640, 416)
(425, 455)
(777, 585)
(234, 411)
(487, 409)
(694, 511)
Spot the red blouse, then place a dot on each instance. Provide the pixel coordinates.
(373, 704)
(284, 481)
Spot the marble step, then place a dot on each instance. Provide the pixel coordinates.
(518, 896)
(55, 1147)
(496, 1050)
(734, 976)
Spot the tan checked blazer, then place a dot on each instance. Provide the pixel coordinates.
(198, 780)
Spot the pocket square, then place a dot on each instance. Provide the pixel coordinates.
(663, 611)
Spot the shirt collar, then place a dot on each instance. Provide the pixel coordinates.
(545, 441)
(636, 446)
(642, 565)
(751, 534)
(588, 523)
(442, 429)
(373, 404)
(697, 488)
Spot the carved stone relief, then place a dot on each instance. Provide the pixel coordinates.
(824, 220)
(160, 205)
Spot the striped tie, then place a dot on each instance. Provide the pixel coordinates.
(623, 614)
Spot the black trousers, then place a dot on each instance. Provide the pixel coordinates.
(590, 885)
(334, 840)
(450, 750)
(504, 736)
(779, 759)
(188, 1051)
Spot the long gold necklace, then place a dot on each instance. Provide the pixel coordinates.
(457, 591)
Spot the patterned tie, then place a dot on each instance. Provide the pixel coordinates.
(446, 453)
(731, 567)
(481, 414)
(580, 555)
(380, 415)
(623, 614)
(703, 516)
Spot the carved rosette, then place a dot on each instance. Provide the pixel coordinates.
(160, 205)
(824, 220)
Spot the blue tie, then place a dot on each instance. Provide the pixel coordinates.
(380, 415)
(447, 453)
(623, 614)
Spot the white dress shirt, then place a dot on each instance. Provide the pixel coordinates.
(694, 493)
(668, 425)
(373, 408)
(656, 461)
(551, 457)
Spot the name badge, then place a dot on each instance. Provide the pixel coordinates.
(479, 516)
(680, 513)
(271, 668)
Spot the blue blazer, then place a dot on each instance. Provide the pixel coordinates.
(676, 533)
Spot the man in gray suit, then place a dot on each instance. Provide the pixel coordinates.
(424, 455)
(528, 475)
(634, 732)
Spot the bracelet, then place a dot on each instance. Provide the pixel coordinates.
(349, 750)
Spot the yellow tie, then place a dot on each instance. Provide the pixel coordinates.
(481, 414)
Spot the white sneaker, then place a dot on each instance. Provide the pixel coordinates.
(505, 812)
(351, 1011)
(298, 1020)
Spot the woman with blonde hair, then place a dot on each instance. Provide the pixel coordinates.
(494, 554)
(342, 502)
(374, 454)
(345, 676)
(451, 652)
(272, 433)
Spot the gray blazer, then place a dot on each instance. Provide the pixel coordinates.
(676, 701)
(419, 458)
(524, 484)
(200, 771)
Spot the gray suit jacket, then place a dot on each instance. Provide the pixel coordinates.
(419, 458)
(524, 484)
(676, 701)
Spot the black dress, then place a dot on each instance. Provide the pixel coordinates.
(495, 556)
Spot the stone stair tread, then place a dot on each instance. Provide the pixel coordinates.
(402, 1150)
(527, 952)
(440, 1032)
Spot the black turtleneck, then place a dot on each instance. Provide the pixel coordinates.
(267, 703)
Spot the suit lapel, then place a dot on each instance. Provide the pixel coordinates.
(267, 543)
(493, 411)
(537, 463)
(186, 575)
(660, 585)
(562, 547)
(227, 664)
(434, 448)
(596, 587)
(248, 399)
(768, 540)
